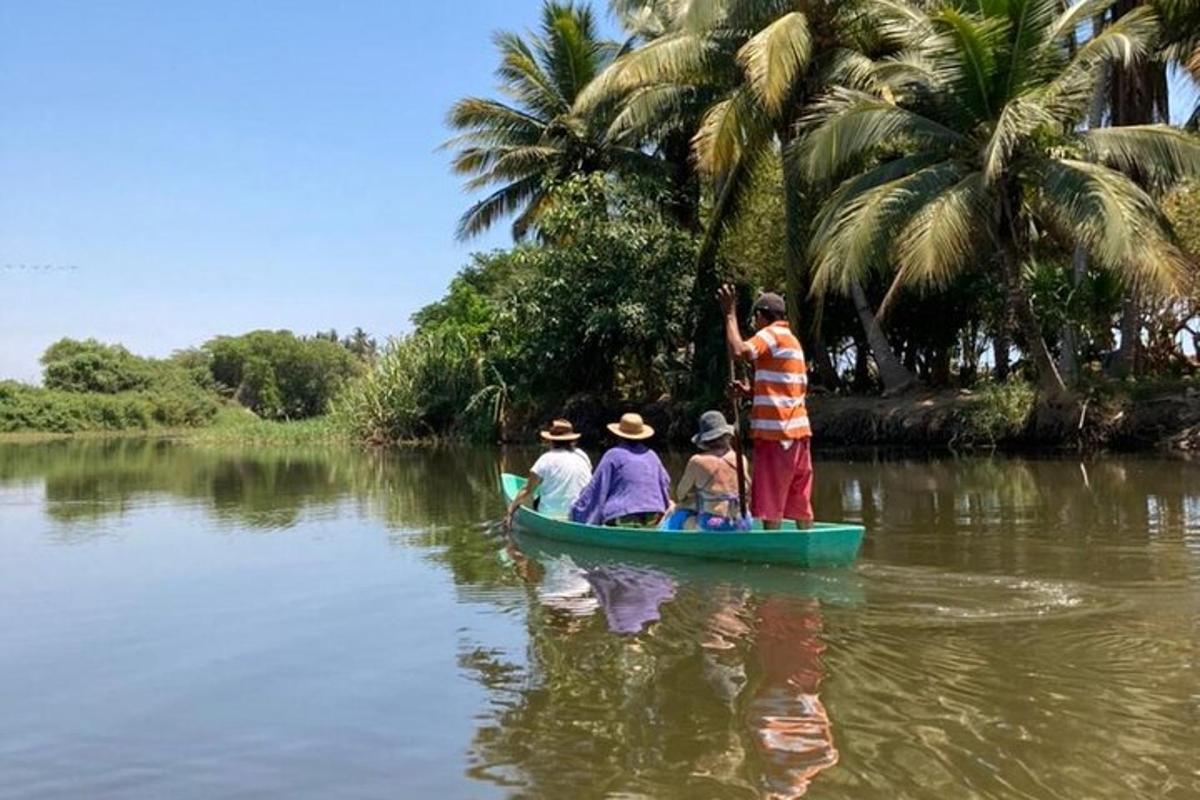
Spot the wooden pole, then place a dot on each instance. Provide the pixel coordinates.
(743, 505)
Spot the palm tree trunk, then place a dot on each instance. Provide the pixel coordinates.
(1139, 96)
(862, 364)
(1002, 346)
(684, 203)
(896, 379)
(968, 371)
(1049, 380)
(708, 338)
(709, 363)
(939, 366)
(1068, 361)
(824, 373)
(1125, 364)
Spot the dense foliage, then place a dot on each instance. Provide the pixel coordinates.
(939, 185)
(977, 155)
(422, 386)
(90, 385)
(601, 305)
(951, 193)
(71, 365)
(279, 375)
(93, 386)
(29, 408)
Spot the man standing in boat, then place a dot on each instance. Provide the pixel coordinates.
(779, 427)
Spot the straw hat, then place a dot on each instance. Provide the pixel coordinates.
(561, 431)
(713, 426)
(632, 427)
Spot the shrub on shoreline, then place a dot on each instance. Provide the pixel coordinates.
(996, 413)
(91, 386)
(422, 386)
(26, 409)
(279, 375)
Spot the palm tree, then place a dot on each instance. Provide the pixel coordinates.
(362, 345)
(526, 145)
(979, 150)
(643, 20)
(645, 121)
(1181, 40)
(738, 74)
(1138, 94)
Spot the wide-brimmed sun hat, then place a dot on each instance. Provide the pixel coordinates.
(561, 431)
(713, 426)
(632, 427)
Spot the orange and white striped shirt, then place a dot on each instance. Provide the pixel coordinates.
(780, 386)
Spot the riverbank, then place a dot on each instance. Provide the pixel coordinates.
(964, 420)
(230, 426)
(996, 417)
(1003, 418)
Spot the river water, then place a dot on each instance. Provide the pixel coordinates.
(182, 622)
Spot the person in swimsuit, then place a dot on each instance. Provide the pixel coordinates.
(709, 487)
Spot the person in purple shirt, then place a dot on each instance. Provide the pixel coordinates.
(630, 486)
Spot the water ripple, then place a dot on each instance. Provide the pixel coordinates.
(920, 597)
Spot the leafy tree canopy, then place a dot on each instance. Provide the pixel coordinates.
(279, 375)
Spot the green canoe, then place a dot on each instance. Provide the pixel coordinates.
(840, 586)
(824, 545)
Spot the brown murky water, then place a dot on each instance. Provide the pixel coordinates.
(197, 623)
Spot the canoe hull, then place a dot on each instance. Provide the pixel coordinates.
(823, 545)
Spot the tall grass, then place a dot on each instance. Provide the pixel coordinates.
(234, 425)
(422, 386)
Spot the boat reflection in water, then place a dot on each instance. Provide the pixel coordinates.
(631, 598)
(716, 665)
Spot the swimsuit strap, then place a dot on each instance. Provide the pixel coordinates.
(704, 496)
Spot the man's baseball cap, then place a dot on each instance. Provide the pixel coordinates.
(770, 302)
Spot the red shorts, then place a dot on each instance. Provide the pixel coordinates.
(783, 480)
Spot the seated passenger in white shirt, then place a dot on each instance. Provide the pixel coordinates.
(558, 477)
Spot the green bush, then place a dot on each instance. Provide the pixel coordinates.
(181, 404)
(196, 365)
(601, 304)
(91, 366)
(997, 412)
(92, 386)
(421, 386)
(31, 409)
(70, 365)
(605, 305)
(279, 375)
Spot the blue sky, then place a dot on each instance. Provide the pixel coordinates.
(218, 167)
